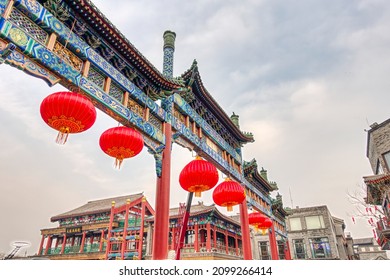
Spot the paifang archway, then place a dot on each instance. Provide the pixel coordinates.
(73, 44)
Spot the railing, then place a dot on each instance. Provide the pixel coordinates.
(88, 248)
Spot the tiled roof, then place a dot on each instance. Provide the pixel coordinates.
(196, 209)
(377, 179)
(200, 208)
(97, 206)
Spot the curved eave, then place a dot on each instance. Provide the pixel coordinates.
(252, 169)
(60, 217)
(209, 101)
(280, 210)
(91, 14)
(377, 180)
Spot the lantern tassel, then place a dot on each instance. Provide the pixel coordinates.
(62, 135)
(118, 162)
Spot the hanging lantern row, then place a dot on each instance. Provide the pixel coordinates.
(259, 221)
(70, 112)
(200, 175)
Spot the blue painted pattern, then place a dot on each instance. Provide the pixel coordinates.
(185, 107)
(168, 62)
(48, 22)
(3, 5)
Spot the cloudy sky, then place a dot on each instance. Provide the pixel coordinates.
(306, 77)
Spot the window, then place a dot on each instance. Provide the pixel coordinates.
(264, 250)
(386, 156)
(379, 169)
(281, 245)
(320, 248)
(295, 224)
(315, 222)
(299, 249)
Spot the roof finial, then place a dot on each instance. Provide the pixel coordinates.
(169, 49)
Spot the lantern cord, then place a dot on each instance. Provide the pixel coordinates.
(70, 31)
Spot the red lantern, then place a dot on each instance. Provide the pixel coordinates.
(267, 223)
(198, 175)
(259, 221)
(68, 112)
(121, 142)
(229, 194)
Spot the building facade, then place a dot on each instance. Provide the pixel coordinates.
(210, 235)
(368, 249)
(314, 234)
(111, 228)
(378, 185)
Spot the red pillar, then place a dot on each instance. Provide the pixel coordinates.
(109, 229)
(208, 241)
(226, 242)
(173, 234)
(287, 252)
(101, 241)
(161, 219)
(273, 243)
(63, 243)
(48, 244)
(41, 245)
(215, 245)
(236, 243)
(56, 244)
(246, 239)
(125, 229)
(142, 229)
(82, 242)
(196, 242)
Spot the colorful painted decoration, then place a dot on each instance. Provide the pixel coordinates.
(198, 176)
(259, 221)
(67, 112)
(121, 142)
(229, 193)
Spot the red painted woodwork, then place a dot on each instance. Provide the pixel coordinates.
(198, 176)
(161, 224)
(229, 193)
(273, 243)
(121, 142)
(67, 112)
(246, 239)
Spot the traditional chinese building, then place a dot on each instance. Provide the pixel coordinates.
(378, 185)
(210, 235)
(261, 201)
(110, 228)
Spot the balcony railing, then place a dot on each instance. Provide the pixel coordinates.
(88, 248)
